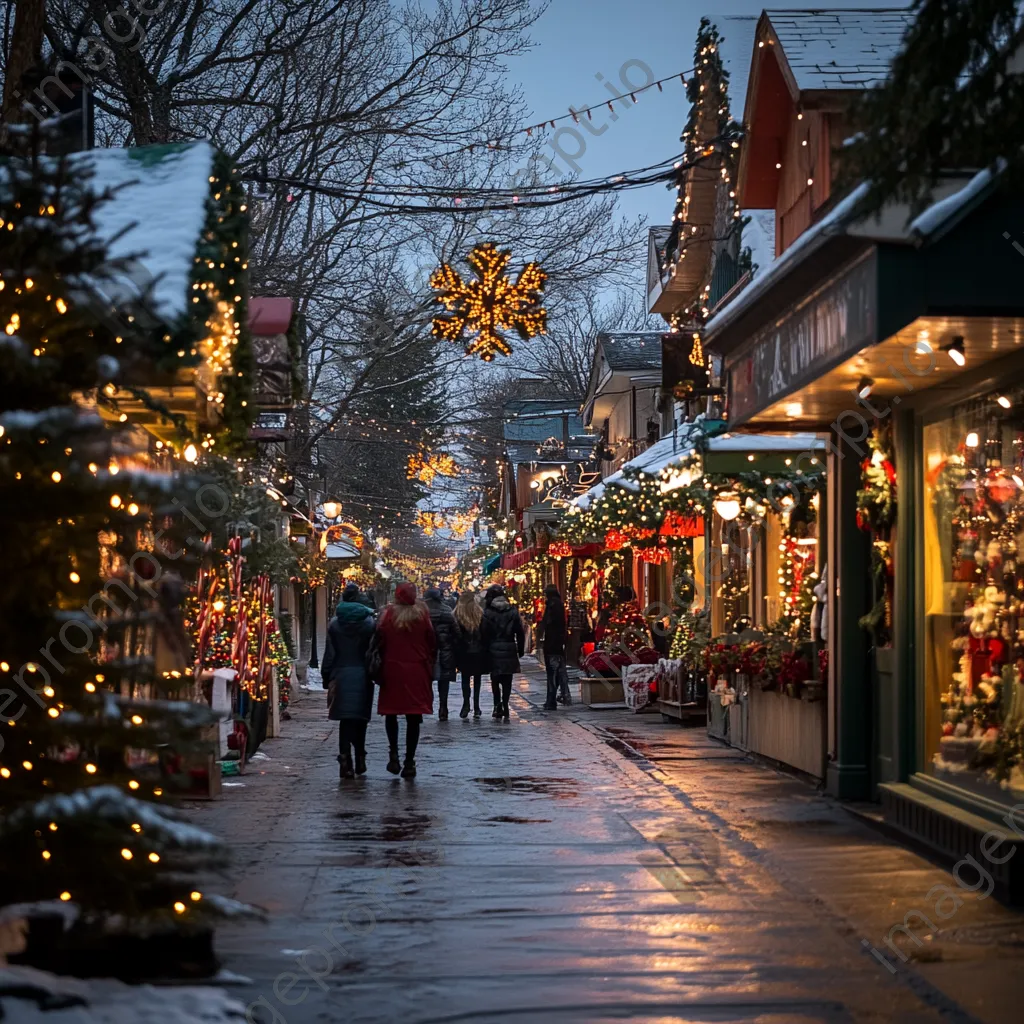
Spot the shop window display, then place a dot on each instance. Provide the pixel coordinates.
(974, 595)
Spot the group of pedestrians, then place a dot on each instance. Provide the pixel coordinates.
(412, 644)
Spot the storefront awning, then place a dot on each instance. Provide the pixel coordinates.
(872, 304)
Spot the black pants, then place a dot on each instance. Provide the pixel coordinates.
(477, 680)
(442, 693)
(412, 733)
(502, 688)
(557, 679)
(352, 733)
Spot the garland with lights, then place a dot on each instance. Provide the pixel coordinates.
(89, 753)
(711, 140)
(642, 513)
(876, 515)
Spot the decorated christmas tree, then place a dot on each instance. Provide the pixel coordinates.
(94, 667)
(627, 629)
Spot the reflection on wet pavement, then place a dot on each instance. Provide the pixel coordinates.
(531, 872)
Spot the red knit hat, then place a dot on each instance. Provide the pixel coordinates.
(405, 593)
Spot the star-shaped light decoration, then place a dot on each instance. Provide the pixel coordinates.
(490, 304)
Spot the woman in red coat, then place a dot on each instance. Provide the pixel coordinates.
(408, 646)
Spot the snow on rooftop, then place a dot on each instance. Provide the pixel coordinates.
(759, 237)
(840, 49)
(832, 223)
(931, 219)
(675, 449)
(156, 215)
(736, 50)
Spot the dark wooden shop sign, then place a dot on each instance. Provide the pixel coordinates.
(820, 331)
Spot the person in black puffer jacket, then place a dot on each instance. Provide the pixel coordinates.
(349, 688)
(443, 621)
(503, 638)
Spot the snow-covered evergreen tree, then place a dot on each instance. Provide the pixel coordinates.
(95, 722)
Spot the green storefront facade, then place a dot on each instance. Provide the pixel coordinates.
(912, 336)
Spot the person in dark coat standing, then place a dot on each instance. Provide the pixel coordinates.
(443, 621)
(554, 645)
(470, 655)
(408, 649)
(503, 638)
(349, 688)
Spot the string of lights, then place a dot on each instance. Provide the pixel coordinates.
(494, 142)
(467, 200)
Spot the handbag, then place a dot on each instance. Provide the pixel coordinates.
(374, 659)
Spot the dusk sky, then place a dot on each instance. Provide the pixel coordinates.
(579, 39)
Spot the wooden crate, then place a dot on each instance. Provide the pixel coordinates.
(598, 690)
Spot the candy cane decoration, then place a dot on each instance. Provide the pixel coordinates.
(262, 589)
(206, 618)
(240, 640)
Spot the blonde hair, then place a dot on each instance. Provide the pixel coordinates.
(404, 616)
(468, 613)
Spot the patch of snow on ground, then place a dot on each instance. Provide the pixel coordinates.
(24, 992)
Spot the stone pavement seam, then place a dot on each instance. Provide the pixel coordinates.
(920, 986)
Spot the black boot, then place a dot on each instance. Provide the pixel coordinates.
(464, 713)
(550, 704)
(442, 714)
(345, 765)
(409, 771)
(394, 765)
(360, 762)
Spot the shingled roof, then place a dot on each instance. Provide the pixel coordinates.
(840, 49)
(638, 351)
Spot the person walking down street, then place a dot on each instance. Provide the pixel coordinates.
(503, 637)
(554, 646)
(443, 621)
(470, 656)
(349, 687)
(408, 647)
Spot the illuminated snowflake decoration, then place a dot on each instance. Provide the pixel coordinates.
(485, 307)
(426, 467)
